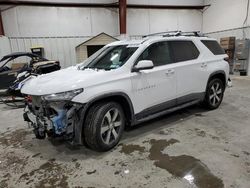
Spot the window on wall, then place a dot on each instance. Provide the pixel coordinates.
(213, 46)
(183, 50)
(159, 53)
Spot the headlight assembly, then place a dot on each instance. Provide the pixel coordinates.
(64, 96)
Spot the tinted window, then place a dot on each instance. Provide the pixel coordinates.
(184, 50)
(213, 46)
(159, 53)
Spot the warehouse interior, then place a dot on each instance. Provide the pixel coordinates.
(191, 147)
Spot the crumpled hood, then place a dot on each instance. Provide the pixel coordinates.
(61, 81)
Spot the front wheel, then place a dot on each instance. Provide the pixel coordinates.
(214, 93)
(104, 126)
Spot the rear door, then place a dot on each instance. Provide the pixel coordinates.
(190, 72)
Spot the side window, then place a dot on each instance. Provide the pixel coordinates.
(184, 50)
(213, 46)
(158, 52)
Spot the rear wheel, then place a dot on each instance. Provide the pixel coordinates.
(214, 93)
(104, 126)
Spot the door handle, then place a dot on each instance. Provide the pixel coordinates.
(169, 72)
(203, 65)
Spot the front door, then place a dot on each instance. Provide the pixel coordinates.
(155, 89)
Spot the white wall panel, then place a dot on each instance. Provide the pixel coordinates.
(138, 21)
(73, 22)
(163, 20)
(105, 20)
(190, 20)
(225, 18)
(10, 22)
(224, 14)
(4, 46)
(62, 49)
(25, 21)
(37, 21)
(141, 22)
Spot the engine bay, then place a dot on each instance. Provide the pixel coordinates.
(52, 119)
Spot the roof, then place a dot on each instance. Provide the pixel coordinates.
(97, 37)
(157, 38)
(19, 54)
(126, 42)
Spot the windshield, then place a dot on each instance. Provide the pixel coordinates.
(15, 62)
(112, 57)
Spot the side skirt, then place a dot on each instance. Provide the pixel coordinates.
(181, 103)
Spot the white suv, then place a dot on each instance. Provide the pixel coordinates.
(123, 84)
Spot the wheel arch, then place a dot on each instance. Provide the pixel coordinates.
(119, 97)
(218, 74)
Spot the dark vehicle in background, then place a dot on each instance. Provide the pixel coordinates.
(17, 67)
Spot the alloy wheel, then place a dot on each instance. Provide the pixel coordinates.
(215, 94)
(111, 124)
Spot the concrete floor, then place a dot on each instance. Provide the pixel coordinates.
(189, 148)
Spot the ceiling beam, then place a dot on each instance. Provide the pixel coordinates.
(97, 5)
(1, 25)
(139, 6)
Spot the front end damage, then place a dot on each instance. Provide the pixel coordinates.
(54, 118)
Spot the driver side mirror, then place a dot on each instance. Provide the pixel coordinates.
(143, 65)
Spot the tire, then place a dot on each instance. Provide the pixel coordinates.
(39, 134)
(214, 94)
(104, 126)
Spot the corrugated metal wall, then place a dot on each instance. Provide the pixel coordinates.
(56, 48)
(4, 46)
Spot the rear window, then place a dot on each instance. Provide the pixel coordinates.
(213, 46)
(184, 50)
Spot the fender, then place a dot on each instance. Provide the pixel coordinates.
(217, 72)
(112, 94)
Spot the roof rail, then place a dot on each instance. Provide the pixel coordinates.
(176, 33)
(160, 33)
(187, 34)
(191, 33)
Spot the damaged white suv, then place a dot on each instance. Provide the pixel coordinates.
(123, 84)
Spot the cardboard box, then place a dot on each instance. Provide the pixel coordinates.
(228, 46)
(230, 54)
(227, 39)
(227, 43)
